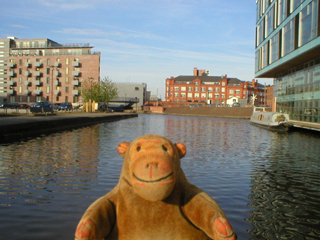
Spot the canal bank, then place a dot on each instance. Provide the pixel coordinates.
(20, 126)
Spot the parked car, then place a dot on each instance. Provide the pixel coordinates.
(236, 104)
(147, 104)
(200, 105)
(24, 106)
(65, 106)
(42, 107)
(4, 105)
(56, 106)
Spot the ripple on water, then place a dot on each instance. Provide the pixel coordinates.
(267, 183)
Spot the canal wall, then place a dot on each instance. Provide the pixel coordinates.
(224, 112)
(17, 127)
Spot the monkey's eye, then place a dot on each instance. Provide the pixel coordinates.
(164, 148)
(138, 148)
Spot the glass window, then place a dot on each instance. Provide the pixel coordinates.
(196, 89)
(67, 70)
(260, 31)
(269, 21)
(265, 55)
(176, 88)
(288, 38)
(274, 48)
(203, 89)
(231, 91)
(294, 4)
(308, 23)
(183, 89)
(196, 95)
(190, 89)
(189, 95)
(223, 89)
(209, 89)
(282, 11)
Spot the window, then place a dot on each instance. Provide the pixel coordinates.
(48, 89)
(265, 52)
(67, 89)
(183, 95)
(237, 91)
(217, 89)
(67, 80)
(216, 95)
(274, 48)
(308, 23)
(288, 38)
(189, 95)
(176, 94)
(136, 88)
(190, 89)
(196, 89)
(176, 88)
(223, 96)
(47, 80)
(223, 89)
(223, 83)
(196, 95)
(196, 83)
(203, 89)
(20, 89)
(294, 4)
(231, 91)
(183, 89)
(269, 21)
(260, 31)
(203, 95)
(209, 89)
(67, 70)
(67, 61)
(282, 11)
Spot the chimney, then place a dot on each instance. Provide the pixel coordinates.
(195, 71)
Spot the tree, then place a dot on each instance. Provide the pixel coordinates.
(107, 91)
(102, 91)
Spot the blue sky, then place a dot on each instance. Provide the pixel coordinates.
(145, 40)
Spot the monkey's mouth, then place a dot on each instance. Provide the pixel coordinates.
(153, 181)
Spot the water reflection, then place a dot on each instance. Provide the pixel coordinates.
(267, 183)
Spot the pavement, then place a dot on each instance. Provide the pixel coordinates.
(21, 126)
(306, 125)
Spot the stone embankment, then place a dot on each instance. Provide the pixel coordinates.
(224, 112)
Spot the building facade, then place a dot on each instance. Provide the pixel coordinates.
(132, 90)
(201, 88)
(44, 70)
(288, 50)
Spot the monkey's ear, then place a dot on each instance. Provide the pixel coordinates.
(122, 148)
(182, 150)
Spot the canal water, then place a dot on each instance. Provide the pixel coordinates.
(267, 183)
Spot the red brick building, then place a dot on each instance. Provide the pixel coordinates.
(43, 70)
(201, 88)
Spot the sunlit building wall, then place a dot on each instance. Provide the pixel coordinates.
(288, 50)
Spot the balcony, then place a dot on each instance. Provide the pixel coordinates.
(27, 92)
(75, 92)
(27, 73)
(12, 83)
(37, 92)
(37, 73)
(37, 82)
(57, 83)
(57, 64)
(75, 82)
(76, 64)
(11, 65)
(56, 92)
(27, 64)
(76, 73)
(11, 92)
(57, 73)
(27, 83)
(38, 64)
(11, 74)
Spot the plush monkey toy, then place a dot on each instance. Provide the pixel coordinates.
(153, 200)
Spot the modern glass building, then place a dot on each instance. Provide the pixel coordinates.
(288, 50)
